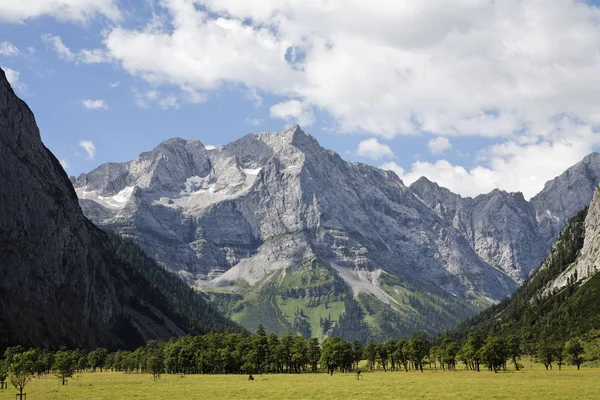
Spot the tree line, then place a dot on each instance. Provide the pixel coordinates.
(244, 353)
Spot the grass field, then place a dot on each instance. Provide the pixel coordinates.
(533, 383)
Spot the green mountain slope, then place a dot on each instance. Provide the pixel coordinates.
(557, 301)
(313, 300)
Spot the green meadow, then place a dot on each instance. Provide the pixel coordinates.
(532, 383)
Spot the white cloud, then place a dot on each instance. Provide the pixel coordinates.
(93, 56)
(254, 97)
(508, 70)
(94, 104)
(115, 84)
(147, 98)
(512, 166)
(8, 49)
(14, 78)
(253, 121)
(89, 148)
(210, 147)
(392, 166)
(169, 101)
(65, 163)
(17, 11)
(84, 56)
(449, 67)
(373, 149)
(193, 96)
(57, 44)
(294, 110)
(439, 145)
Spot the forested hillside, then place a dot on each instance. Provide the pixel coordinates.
(167, 291)
(539, 311)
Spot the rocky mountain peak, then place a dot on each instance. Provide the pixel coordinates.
(295, 137)
(178, 145)
(494, 224)
(424, 188)
(587, 264)
(565, 195)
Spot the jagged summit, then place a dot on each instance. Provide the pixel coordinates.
(245, 215)
(565, 195)
(256, 207)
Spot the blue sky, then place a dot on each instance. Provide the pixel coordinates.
(475, 96)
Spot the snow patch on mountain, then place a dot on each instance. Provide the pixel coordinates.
(118, 201)
(250, 171)
(195, 184)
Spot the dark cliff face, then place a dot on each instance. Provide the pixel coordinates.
(60, 280)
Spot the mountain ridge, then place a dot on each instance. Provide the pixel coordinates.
(62, 281)
(235, 218)
(269, 202)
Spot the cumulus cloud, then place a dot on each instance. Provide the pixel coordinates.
(450, 67)
(65, 163)
(89, 148)
(8, 49)
(439, 145)
(83, 56)
(392, 166)
(373, 149)
(294, 110)
(94, 104)
(508, 70)
(513, 165)
(210, 147)
(18, 11)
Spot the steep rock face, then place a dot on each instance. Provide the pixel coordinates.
(61, 282)
(588, 262)
(560, 299)
(563, 196)
(501, 227)
(244, 212)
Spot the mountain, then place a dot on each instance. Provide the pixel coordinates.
(63, 281)
(507, 231)
(501, 227)
(564, 196)
(283, 232)
(559, 300)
